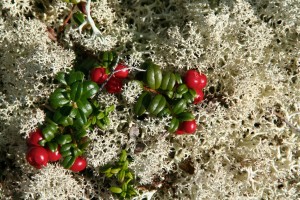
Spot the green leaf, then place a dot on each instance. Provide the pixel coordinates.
(178, 78)
(74, 76)
(68, 161)
(124, 187)
(180, 106)
(121, 176)
(185, 116)
(58, 98)
(123, 156)
(174, 124)
(80, 119)
(164, 112)
(157, 104)
(90, 88)
(188, 97)
(66, 147)
(153, 76)
(100, 124)
(81, 133)
(76, 91)
(62, 119)
(168, 81)
(64, 139)
(60, 77)
(115, 190)
(181, 89)
(115, 170)
(52, 146)
(142, 103)
(109, 109)
(78, 18)
(77, 152)
(85, 107)
(49, 131)
(100, 115)
(107, 58)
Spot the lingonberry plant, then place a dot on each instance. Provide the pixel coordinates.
(73, 110)
(121, 178)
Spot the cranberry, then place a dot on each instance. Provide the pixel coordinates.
(79, 164)
(193, 79)
(53, 156)
(180, 132)
(189, 126)
(34, 138)
(121, 71)
(114, 85)
(199, 96)
(37, 157)
(98, 75)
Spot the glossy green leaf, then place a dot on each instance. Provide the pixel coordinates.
(178, 78)
(174, 124)
(66, 147)
(100, 115)
(78, 18)
(58, 98)
(115, 190)
(123, 156)
(85, 107)
(77, 152)
(170, 94)
(121, 176)
(157, 104)
(168, 81)
(185, 116)
(109, 109)
(181, 89)
(74, 76)
(68, 161)
(76, 91)
(193, 93)
(60, 77)
(164, 112)
(153, 76)
(124, 187)
(115, 170)
(49, 131)
(81, 133)
(80, 119)
(142, 103)
(100, 124)
(188, 97)
(64, 139)
(180, 106)
(52, 146)
(62, 119)
(107, 58)
(90, 88)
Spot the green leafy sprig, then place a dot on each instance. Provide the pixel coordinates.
(120, 177)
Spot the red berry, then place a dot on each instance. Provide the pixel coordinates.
(121, 71)
(114, 85)
(53, 156)
(34, 138)
(193, 79)
(199, 96)
(79, 164)
(189, 126)
(37, 157)
(180, 132)
(98, 75)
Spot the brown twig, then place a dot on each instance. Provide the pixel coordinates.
(61, 28)
(287, 122)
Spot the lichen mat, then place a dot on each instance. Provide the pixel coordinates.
(246, 145)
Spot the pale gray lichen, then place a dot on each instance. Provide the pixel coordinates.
(249, 50)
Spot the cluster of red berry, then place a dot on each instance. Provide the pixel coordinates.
(114, 84)
(39, 156)
(197, 81)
